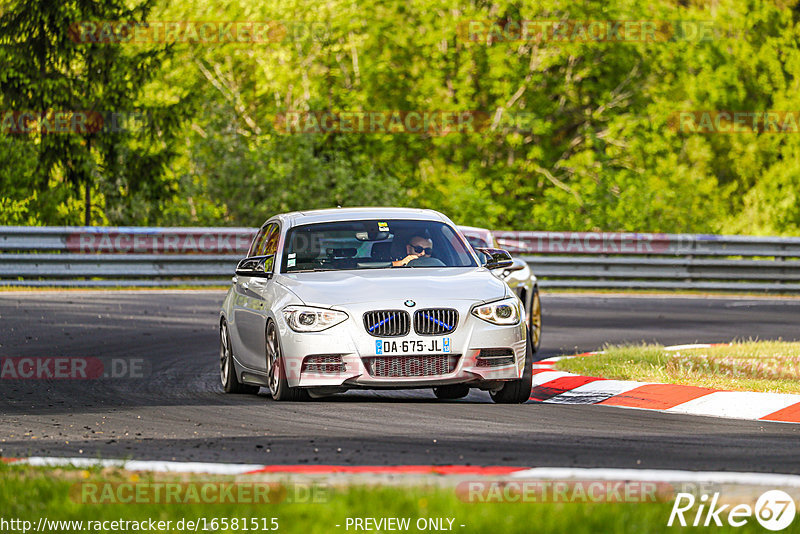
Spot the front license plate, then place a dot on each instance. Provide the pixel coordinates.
(435, 345)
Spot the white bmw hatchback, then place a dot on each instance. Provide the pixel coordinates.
(376, 298)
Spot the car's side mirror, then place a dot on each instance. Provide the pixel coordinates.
(259, 266)
(496, 258)
(516, 265)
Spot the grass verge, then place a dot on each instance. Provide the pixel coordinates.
(30, 494)
(765, 366)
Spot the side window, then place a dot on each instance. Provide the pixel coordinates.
(266, 242)
(258, 241)
(268, 246)
(271, 241)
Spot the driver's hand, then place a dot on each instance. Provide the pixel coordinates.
(407, 259)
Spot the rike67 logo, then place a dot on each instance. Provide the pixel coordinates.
(774, 510)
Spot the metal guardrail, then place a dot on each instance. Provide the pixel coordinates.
(73, 256)
(136, 256)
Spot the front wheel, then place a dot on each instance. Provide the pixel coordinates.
(517, 391)
(227, 369)
(276, 370)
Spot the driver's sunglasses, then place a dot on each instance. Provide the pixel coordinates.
(418, 249)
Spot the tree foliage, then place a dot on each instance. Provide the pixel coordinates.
(49, 72)
(580, 133)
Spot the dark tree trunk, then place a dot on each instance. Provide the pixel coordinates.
(87, 219)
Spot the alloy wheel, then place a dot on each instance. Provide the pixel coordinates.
(535, 320)
(224, 355)
(273, 360)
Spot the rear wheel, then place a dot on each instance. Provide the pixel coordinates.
(535, 321)
(517, 391)
(452, 391)
(276, 370)
(227, 369)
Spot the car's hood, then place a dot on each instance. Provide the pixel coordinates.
(334, 288)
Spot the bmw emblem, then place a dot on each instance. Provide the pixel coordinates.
(410, 303)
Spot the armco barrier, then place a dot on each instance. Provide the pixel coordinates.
(136, 256)
(596, 260)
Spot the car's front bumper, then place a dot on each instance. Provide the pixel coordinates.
(351, 342)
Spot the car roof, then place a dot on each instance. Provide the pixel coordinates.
(354, 214)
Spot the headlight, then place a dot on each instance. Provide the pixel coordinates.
(305, 319)
(502, 312)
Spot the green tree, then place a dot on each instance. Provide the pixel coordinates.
(52, 66)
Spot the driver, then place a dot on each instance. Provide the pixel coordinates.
(417, 247)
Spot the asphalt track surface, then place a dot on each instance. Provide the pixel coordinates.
(179, 412)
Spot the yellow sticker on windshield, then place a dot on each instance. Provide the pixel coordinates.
(383, 227)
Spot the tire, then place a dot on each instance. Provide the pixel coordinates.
(276, 373)
(535, 320)
(227, 369)
(517, 391)
(452, 391)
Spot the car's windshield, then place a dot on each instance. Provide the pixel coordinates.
(373, 244)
